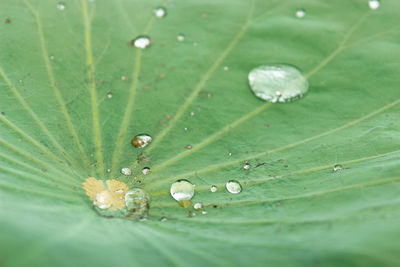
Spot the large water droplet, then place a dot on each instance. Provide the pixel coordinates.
(61, 6)
(160, 12)
(233, 187)
(141, 42)
(300, 13)
(374, 4)
(103, 199)
(137, 203)
(126, 171)
(182, 190)
(278, 82)
(141, 140)
(337, 167)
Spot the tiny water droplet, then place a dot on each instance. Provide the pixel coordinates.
(180, 37)
(124, 78)
(185, 129)
(337, 167)
(109, 95)
(188, 147)
(198, 206)
(246, 166)
(51, 57)
(126, 171)
(233, 187)
(141, 42)
(278, 82)
(230, 154)
(61, 6)
(160, 12)
(213, 188)
(226, 68)
(21, 81)
(374, 4)
(108, 170)
(192, 113)
(204, 212)
(141, 140)
(146, 170)
(300, 13)
(137, 203)
(103, 199)
(182, 190)
(163, 219)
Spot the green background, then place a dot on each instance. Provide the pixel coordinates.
(58, 127)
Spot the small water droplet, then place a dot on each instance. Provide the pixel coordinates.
(204, 212)
(109, 95)
(185, 129)
(230, 154)
(195, 44)
(160, 12)
(246, 166)
(146, 170)
(182, 190)
(278, 82)
(108, 170)
(103, 199)
(7, 21)
(126, 171)
(124, 78)
(163, 219)
(233, 187)
(337, 167)
(188, 147)
(137, 203)
(374, 4)
(21, 81)
(300, 13)
(51, 57)
(141, 140)
(141, 42)
(192, 113)
(180, 37)
(61, 6)
(213, 188)
(198, 206)
(226, 68)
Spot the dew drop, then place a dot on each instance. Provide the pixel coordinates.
(141, 42)
(278, 83)
(233, 187)
(108, 170)
(51, 57)
(226, 68)
(182, 190)
(126, 171)
(141, 140)
(188, 147)
(213, 188)
(160, 12)
(337, 167)
(180, 37)
(204, 212)
(146, 170)
(300, 13)
(103, 199)
(374, 4)
(109, 95)
(61, 6)
(163, 219)
(185, 128)
(137, 203)
(246, 166)
(198, 206)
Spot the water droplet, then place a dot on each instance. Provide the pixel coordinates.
(124, 78)
(126, 171)
(185, 129)
(192, 113)
(141, 42)
(195, 44)
(226, 68)
(198, 206)
(21, 81)
(163, 219)
(204, 212)
(233, 187)
(51, 57)
(246, 166)
(337, 167)
(109, 95)
(188, 147)
(146, 170)
(61, 6)
(108, 170)
(278, 82)
(300, 13)
(374, 4)
(137, 203)
(230, 154)
(180, 37)
(141, 140)
(160, 12)
(182, 190)
(103, 199)
(213, 188)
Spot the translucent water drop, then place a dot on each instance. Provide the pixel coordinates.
(160, 12)
(61, 6)
(192, 113)
(126, 171)
(163, 219)
(108, 170)
(124, 78)
(141, 42)
(337, 167)
(141, 140)
(246, 166)
(198, 206)
(204, 212)
(180, 37)
(233, 187)
(278, 82)
(300, 13)
(182, 190)
(51, 57)
(226, 68)
(137, 203)
(146, 170)
(213, 188)
(109, 95)
(103, 199)
(374, 4)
